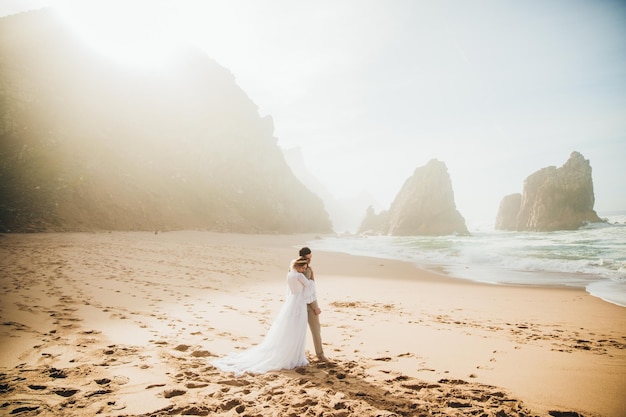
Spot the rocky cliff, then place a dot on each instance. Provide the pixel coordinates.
(89, 145)
(552, 199)
(424, 206)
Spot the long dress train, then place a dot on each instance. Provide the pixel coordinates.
(284, 344)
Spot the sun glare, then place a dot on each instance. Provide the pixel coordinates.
(139, 33)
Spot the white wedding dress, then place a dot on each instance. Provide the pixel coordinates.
(284, 344)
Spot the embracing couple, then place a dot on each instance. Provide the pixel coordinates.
(284, 344)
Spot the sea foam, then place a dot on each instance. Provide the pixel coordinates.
(593, 257)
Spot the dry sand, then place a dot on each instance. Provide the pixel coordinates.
(121, 324)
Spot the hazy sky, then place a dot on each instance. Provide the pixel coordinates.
(371, 90)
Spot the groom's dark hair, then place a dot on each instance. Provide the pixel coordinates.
(304, 251)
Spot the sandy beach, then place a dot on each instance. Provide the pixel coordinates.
(126, 324)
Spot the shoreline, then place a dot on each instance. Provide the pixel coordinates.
(147, 313)
(597, 284)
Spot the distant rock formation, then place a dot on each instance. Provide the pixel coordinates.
(86, 144)
(507, 212)
(373, 223)
(552, 199)
(424, 206)
(341, 210)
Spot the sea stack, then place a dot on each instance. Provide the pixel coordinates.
(424, 206)
(552, 199)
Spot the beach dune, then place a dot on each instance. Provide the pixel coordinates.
(126, 324)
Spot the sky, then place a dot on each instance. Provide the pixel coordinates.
(371, 90)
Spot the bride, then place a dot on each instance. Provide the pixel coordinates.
(284, 343)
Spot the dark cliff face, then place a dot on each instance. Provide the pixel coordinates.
(424, 206)
(552, 199)
(88, 145)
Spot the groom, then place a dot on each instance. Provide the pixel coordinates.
(313, 309)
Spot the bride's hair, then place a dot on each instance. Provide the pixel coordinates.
(299, 261)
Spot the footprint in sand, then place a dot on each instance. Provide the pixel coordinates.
(173, 393)
(65, 392)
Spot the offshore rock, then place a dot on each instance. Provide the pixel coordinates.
(424, 206)
(554, 199)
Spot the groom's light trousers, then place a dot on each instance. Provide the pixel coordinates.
(314, 325)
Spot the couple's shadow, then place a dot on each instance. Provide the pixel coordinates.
(349, 390)
(345, 387)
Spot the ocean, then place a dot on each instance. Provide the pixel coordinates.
(593, 257)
